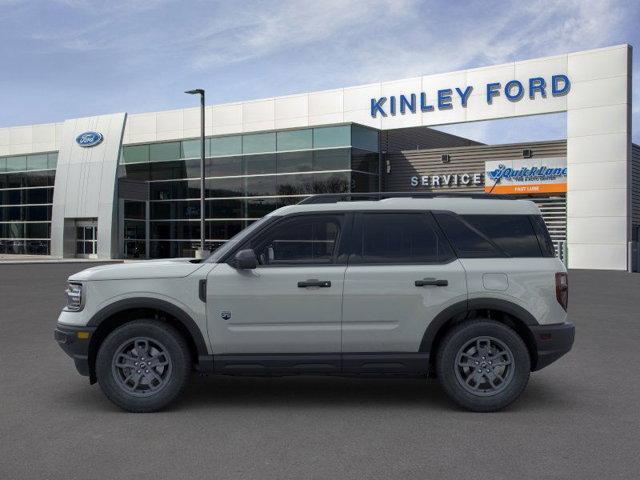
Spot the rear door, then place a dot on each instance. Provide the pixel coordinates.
(401, 274)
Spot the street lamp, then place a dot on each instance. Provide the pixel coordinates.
(199, 91)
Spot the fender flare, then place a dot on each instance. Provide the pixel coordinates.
(156, 304)
(465, 306)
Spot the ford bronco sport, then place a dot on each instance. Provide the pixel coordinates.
(464, 289)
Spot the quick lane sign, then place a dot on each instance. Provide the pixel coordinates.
(543, 175)
(445, 99)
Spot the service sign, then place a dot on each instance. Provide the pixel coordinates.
(526, 176)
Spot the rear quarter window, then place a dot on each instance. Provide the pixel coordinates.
(513, 234)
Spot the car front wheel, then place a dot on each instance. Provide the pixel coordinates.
(143, 365)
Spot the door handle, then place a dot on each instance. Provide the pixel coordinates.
(202, 290)
(431, 281)
(314, 283)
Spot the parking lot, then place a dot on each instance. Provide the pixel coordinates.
(579, 418)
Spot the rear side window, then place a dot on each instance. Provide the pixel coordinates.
(468, 241)
(544, 239)
(399, 238)
(513, 234)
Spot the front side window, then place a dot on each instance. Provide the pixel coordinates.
(399, 238)
(300, 240)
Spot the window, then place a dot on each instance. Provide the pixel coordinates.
(300, 240)
(466, 240)
(338, 159)
(135, 154)
(224, 166)
(295, 162)
(544, 239)
(160, 152)
(16, 164)
(256, 164)
(37, 162)
(223, 146)
(259, 143)
(192, 148)
(52, 160)
(364, 138)
(513, 234)
(295, 140)
(399, 238)
(326, 137)
(134, 210)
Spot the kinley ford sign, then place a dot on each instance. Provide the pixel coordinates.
(518, 176)
(445, 99)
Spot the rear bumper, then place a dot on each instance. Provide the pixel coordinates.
(75, 343)
(552, 342)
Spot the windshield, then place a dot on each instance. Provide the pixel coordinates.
(235, 240)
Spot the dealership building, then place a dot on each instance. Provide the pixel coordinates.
(127, 185)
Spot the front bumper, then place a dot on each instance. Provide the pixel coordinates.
(552, 342)
(75, 343)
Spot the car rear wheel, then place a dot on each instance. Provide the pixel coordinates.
(143, 365)
(483, 365)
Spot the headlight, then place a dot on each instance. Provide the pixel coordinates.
(74, 297)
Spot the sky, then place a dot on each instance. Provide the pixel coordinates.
(72, 58)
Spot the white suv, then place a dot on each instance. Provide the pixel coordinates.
(465, 289)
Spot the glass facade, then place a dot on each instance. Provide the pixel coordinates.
(247, 176)
(26, 197)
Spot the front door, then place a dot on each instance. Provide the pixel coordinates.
(87, 239)
(291, 303)
(401, 274)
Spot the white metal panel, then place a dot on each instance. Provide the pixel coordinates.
(598, 93)
(21, 135)
(500, 107)
(258, 111)
(598, 63)
(295, 106)
(598, 230)
(170, 121)
(359, 98)
(597, 176)
(597, 120)
(540, 67)
(601, 256)
(326, 103)
(5, 137)
(595, 203)
(597, 148)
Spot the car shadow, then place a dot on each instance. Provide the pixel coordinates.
(207, 392)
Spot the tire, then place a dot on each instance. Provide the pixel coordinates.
(143, 366)
(502, 360)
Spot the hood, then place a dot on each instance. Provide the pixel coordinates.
(145, 269)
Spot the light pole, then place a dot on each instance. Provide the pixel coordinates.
(199, 91)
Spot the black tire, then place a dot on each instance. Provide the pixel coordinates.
(161, 384)
(476, 391)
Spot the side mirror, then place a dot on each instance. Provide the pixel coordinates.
(245, 260)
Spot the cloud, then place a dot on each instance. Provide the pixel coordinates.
(261, 48)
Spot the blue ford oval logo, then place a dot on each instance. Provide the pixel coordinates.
(89, 139)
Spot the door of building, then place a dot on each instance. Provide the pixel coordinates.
(87, 239)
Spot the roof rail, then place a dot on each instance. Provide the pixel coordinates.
(352, 197)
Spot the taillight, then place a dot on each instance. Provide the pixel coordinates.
(562, 289)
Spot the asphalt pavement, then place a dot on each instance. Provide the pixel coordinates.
(578, 419)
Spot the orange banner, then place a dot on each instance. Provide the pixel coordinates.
(526, 189)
